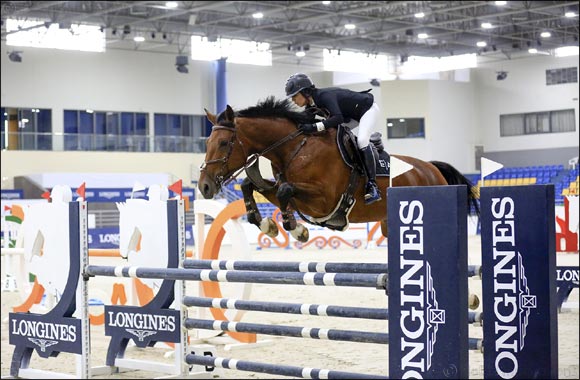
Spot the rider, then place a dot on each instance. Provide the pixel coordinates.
(344, 106)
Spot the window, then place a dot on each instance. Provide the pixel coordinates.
(26, 128)
(537, 122)
(405, 128)
(106, 130)
(179, 133)
(561, 76)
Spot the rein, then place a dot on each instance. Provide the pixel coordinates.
(222, 180)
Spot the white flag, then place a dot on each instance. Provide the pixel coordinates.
(488, 167)
(399, 167)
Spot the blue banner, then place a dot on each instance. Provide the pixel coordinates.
(13, 194)
(427, 285)
(518, 251)
(122, 194)
(108, 237)
(45, 334)
(143, 324)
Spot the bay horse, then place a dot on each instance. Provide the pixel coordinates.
(310, 174)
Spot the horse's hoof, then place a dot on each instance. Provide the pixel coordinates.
(300, 233)
(473, 301)
(268, 226)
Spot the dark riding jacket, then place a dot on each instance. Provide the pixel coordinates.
(342, 104)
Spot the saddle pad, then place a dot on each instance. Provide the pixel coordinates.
(383, 164)
(347, 147)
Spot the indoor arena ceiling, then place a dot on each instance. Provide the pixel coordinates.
(453, 27)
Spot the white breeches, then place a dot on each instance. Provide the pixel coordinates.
(366, 126)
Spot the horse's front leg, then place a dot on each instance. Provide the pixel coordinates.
(298, 231)
(267, 226)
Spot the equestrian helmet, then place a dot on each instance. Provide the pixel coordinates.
(296, 83)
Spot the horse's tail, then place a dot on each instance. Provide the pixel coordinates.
(454, 177)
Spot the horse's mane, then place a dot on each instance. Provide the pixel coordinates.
(270, 107)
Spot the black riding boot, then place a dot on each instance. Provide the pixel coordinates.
(372, 193)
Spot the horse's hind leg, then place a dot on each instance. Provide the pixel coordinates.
(267, 226)
(298, 231)
(384, 229)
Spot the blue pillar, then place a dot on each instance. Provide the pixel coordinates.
(220, 89)
(220, 84)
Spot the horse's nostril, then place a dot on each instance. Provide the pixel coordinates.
(205, 190)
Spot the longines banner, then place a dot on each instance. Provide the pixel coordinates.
(142, 325)
(45, 334)
(428, 282)
(122, 194)
(519, 282)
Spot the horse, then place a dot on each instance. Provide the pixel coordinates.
(311, 177)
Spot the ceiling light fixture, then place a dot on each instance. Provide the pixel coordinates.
(422, 35)
(546, 35)
(533, 51)
(350, 26)
(420, 15)
(500, 3)
(300, 54)
(138, 38)
(570, 14)
(486, 25)
(481, 44)
(326, 3)
(258, 15)
(171, 4)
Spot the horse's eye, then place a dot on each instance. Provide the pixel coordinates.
(223, 143)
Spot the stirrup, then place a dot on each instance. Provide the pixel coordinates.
(372, 195)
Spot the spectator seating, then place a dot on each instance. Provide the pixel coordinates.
(564, 180)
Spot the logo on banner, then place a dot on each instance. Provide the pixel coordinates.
(142, 327)
(141, 334)
(567, 275)
(34, 330)
(420, 311)
(513, 299)
(43, 343)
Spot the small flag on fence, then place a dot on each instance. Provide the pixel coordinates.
(488, 167)
(398, 167)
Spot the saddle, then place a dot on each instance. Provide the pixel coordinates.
(348, 148)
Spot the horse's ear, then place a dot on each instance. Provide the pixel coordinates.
(210, 117)
(229, 113)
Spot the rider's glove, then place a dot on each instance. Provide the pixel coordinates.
(311, 128)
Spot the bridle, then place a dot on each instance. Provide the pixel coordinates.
(223, 178)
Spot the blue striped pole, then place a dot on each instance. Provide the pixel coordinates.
(475, 344)
(289, 308)
(293, 331)
(318, 279)
(298, 308)
(275, 369)
(297, 266)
